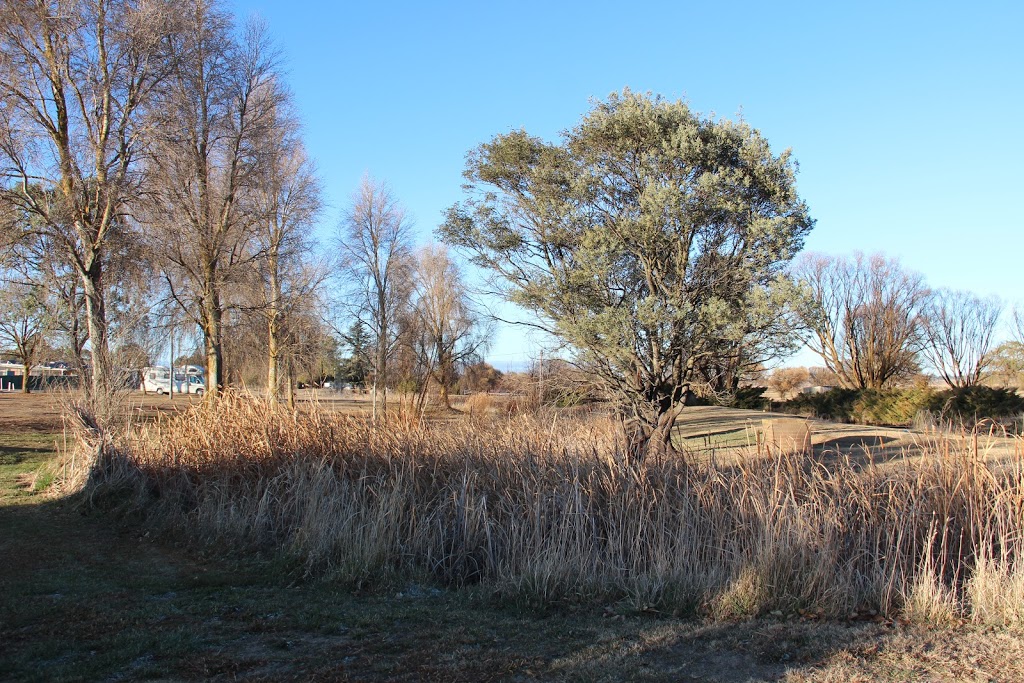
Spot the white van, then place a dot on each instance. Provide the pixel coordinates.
(158, 380)
(190, 384)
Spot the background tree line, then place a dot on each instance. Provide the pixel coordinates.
(155, 179)
(155, 182)
(876, 324)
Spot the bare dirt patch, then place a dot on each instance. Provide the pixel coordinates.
(40, 412)
(43, 411)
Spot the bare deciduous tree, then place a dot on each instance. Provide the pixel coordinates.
(376, 260)
(221, 99)
(26, 319)
(287, 201)
(11, 233)
(74, 79)
(1018, 325)
(245, 344)
(311, 348)
(866, 317)
(823, 377)
(58, 275)
(452, 331)
(784, 381)
(958, 332)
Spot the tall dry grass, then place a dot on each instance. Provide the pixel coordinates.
(542, 507)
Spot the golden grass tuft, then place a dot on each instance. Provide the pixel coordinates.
(543, 506)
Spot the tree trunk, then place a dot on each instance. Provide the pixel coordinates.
(212, 348)
(445, 372)
(380, 382)
(213, 341)
(290, 391)
(648, 431)
(273, 352)
(273, 326)
(24, 385)
(96, 320)
(78, 347)
(26, 352)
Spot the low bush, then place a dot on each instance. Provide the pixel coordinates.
(835, 404)
(750, 398)
(964, 406)
(889, 407)
(972, 404)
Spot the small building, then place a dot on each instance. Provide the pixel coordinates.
(12, 375)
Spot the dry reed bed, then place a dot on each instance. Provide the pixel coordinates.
(544, 508)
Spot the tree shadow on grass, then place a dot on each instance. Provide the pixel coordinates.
(753, 650)
(861, 450)
(12, 455)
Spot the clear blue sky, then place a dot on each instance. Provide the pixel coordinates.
(905, 117)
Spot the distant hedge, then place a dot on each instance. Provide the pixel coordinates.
(899, 406)
(978, 403)
(751, 398)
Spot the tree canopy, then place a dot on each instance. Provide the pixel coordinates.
(865, 317)
(649, 238)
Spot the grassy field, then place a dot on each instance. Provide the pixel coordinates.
(92, 596)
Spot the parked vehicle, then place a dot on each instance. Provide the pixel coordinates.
(158, 380)
(192, 384)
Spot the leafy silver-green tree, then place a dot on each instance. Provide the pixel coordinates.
(649, 238)
(1006, 365)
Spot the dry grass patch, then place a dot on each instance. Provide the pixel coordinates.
(545, 508)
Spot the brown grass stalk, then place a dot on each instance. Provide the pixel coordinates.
(538, 508)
